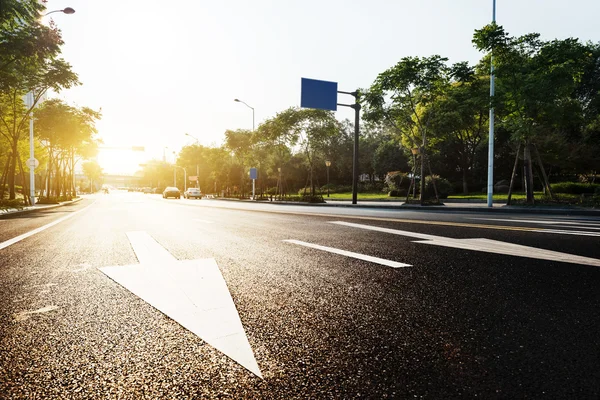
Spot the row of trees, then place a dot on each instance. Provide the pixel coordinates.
(30, 66)
(546, 105)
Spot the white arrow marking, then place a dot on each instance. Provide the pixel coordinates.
(191, 292)
(359, 256)
(485, 245)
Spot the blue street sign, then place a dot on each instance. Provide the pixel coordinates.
(253, 173)
(319, 94)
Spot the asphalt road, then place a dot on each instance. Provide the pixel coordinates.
(440, 313)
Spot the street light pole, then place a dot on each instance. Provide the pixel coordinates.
(490, 183)
(252, 108)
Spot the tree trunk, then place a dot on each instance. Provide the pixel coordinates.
(437, 198)
(528, 174)
(4, 178)
(464, 181)
(24, 185)
(541, 165)
(512, 177)
(11, 172)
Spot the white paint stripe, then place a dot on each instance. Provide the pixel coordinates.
(358, 256)
(17, 239)
(541, 221)
(147, 250)
(386, 230)
(563, 232)
(486, 245)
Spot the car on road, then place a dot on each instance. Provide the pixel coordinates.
(171, 192)
(147, 190)
(192, 193)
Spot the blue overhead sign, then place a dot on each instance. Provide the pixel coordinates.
(319, 94)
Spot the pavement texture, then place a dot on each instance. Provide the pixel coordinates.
(456, 324)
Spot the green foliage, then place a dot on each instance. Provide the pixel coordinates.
(443, 186)
(397, 193)
(8, 204)
(575, 188)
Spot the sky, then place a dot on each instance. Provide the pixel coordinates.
(161, 69)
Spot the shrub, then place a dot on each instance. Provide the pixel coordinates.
(17, 203)
(397, 193)
(574, 187)
(443, 186)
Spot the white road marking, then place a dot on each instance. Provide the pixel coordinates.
(17, 239)
(358, 256)
(191, 292)
(24, 315)
(564, 232)
(484, 245)
(204, 221)
(542, 222)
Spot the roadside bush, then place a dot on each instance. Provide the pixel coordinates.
(444, 187)
(397, 193)
(17, 203)
(574, 187)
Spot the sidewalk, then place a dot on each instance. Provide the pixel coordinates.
(36, 207)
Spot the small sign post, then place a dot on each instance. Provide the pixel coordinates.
(253, 176)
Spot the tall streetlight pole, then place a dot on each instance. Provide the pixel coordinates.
(490, 185)
(30, 102)
(252, 108)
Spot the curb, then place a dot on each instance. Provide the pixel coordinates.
(501, 210)
(31, 209)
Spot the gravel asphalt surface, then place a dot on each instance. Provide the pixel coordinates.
(455, 324)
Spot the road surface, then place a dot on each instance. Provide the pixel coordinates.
(132, 296)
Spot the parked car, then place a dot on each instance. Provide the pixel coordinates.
(171, 192)
(192, 193)
(147, 190)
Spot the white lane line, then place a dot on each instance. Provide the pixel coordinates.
(358, 256)
(483, 245)
(542, 222)
(563, 232)
(193, 293)
(204, 221)
(17, 239)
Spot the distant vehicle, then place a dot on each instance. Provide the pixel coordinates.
(192, 193)
(171, 192)
(148, 191)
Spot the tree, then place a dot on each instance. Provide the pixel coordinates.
(460, 118)
(537, 87)
(93, 171)
(400, 95)
(69, 134)
(29, 62)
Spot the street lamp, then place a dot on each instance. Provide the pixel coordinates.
(240, 101)
(67, 10)
(30, 100)
(328, 164)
